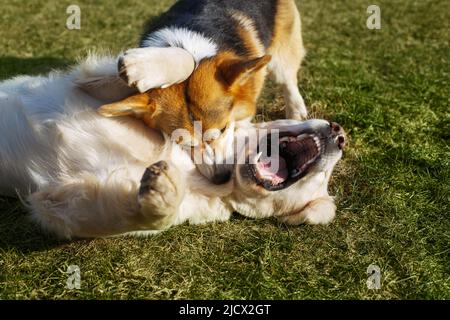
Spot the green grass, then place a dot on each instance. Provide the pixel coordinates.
(389, 88)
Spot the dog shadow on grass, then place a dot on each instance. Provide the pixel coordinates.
(18, 232)
(14, 66)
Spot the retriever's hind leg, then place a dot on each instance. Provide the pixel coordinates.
(318, 212)
(88, 207)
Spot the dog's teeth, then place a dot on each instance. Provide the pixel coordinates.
(258, 157)
(318, 144)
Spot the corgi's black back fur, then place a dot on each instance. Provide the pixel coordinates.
(212, 19)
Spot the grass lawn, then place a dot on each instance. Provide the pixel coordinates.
(389, 88)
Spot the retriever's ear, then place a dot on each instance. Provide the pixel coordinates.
(237, 71)
(134, 105)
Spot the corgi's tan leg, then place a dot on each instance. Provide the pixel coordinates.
(149, 68)
(88, 207)
(287, 52)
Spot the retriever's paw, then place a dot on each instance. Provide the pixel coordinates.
(156, 186)
(160, 194)
(319, 212)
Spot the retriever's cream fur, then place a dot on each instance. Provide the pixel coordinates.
(80, 174)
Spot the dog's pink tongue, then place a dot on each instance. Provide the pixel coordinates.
(266, 170)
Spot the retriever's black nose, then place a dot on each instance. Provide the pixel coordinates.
(338, 133)
(336, 129)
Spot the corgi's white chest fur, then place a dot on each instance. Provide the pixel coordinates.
(195, 43)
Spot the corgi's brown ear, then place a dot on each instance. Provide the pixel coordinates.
(134, 105)
(237, 71)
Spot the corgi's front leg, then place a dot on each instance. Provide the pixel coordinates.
(134, 68)
(152, 67)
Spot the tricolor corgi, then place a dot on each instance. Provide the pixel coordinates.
(207, 60)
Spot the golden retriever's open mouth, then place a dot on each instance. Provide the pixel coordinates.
(296, 155)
